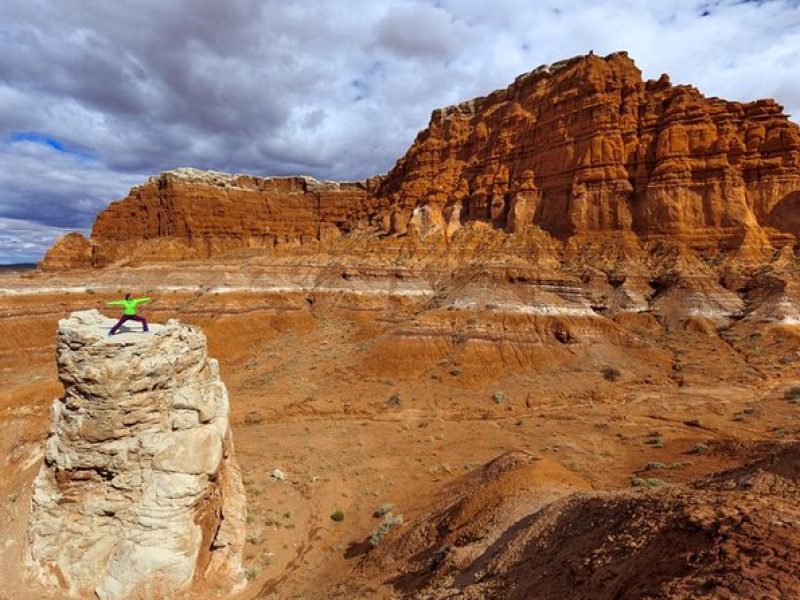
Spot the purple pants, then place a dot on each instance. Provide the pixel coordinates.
(125, 318)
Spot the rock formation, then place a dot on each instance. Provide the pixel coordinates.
(585, 147)
(582, 149)
(187, 213)
(71, 251)
(139, 491)
(525, 528)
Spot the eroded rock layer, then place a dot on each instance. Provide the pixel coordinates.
(584, 150)
(139, 492)
(586, 146)
(189, 213)
(522, 527)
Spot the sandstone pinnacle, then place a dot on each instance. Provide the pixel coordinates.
(139, 491)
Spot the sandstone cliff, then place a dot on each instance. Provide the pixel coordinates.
(583, 149)
(187, 213)
(586, 146)
(139, 491)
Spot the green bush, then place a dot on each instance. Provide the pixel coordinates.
(338, 515)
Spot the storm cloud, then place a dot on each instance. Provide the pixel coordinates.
(95, 96)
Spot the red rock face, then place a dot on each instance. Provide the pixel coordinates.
(71, 251)
(188, 213)
(585, 146)
(582, 149)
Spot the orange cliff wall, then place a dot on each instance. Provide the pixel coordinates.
(189, 213)
(581, 148)
(585, 146)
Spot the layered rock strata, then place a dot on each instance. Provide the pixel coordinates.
(585, 146)
(139, 492)
(188, 213)
(583, 149)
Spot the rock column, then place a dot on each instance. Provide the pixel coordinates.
(139, 492)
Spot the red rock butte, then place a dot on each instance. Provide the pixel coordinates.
(581, 149)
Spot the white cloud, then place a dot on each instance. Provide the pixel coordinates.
(22, 241)
(332, 89)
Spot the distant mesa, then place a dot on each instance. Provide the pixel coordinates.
(583, 149)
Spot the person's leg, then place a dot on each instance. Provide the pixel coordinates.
(114, 329)
(141, 320)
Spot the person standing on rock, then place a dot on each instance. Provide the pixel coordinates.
(129, 306)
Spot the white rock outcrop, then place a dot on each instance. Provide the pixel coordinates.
(139, 493)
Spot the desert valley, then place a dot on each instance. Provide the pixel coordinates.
(554, 352)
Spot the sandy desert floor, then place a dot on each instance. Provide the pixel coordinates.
(365, 400)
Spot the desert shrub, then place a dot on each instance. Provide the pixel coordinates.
(382, 510)
(253, 418)
(611, 373)
(389, 521)
(700, 449)
(338, 515)
(254, 537)
(647, 482)
(253, 488)
(792, 394)
(499, 397)
(252, 571)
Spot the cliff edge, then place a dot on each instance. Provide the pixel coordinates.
(139, 491)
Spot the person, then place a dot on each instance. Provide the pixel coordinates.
(129, 306)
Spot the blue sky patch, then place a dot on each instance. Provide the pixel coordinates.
(51, 142)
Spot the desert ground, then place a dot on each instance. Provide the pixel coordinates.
(384, 392)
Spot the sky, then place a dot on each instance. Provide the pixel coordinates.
(96, 96)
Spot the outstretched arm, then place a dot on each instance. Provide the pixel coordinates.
(142, 300)
(116, 302)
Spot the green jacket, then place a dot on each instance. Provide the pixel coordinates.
(129, 305)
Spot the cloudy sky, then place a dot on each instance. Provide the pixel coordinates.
(96, 95)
